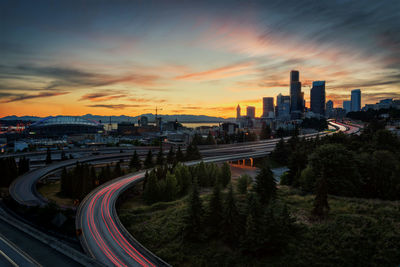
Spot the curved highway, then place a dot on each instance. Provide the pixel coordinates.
(106, 239)
(103, 236)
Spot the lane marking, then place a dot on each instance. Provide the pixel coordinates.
(22, 253)
(8, 258)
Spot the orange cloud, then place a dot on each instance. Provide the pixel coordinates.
(219, 73)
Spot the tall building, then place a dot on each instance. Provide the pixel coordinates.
(283, 106)
(268, 107)
(347, 106)
(296, 101)
(356, 100)
(318, 97)
(238, 112)
(251, 112)
(329, 109)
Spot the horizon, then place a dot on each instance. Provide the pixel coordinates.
(191, 58)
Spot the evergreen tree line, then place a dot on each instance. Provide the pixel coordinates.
(83, 178)
(167, 183)
(365, 165)
(259, 225)
(173, 157)
(10, 170)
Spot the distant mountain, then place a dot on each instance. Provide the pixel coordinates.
(23, 118)
(124, 118)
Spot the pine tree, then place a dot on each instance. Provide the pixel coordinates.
(160, 157)
(148, 162)
(194, 217)
(243, 183)
(280, 153)
(171, 156)
(225, 175)
(231, 218)
(134, 163)
(321, 205)
(48, 156)
(265, 132)
(253, 228)
(183, 177)
(214, 216)
(210, 139)
(64, 181)
(201, 174)
(192, 152)
(117, 171)
(151, 190)
(171, 187)
(179, 155)
(265, 185)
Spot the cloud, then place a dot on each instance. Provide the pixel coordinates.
(97, 97)
(21, 97)
(66, 77)
(115, 106)
(231, 70)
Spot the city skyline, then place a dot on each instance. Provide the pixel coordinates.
(197, 58)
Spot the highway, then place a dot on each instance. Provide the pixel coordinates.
(106, 239)
(22, 248)
(23, 189)
(103, 236)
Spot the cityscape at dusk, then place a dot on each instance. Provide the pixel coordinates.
(113, 58)
(199, 133)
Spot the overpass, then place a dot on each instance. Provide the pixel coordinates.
(103, 236)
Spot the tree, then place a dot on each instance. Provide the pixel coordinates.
(192, 152)
(251, 239)
(265, 131)
(48, 156)
(243, 183)
(214, 216)
(148, 162)
(179, 155)
(265, 185)
(134, 163)
(160, 157)
(194, 214)
(321, 206)
(183, 177)
(117, 170)
(171, 187)
(151, 190)
(231, 218)
(210, 139)
(280, 152)
(23, 165)
(339, 169)
(225, 174)
(171, 156)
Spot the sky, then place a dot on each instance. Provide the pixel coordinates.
(191, 57)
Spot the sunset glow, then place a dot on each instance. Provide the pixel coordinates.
(203, 58)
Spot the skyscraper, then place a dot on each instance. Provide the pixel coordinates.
(238, 112)
(268, 106)
(329, 109)
(251, 112)
(347, 106)
(283, 106)
(296, 101)
(318, 97)
(356, 100)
